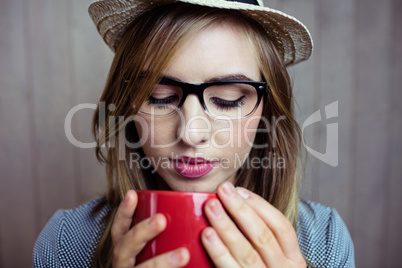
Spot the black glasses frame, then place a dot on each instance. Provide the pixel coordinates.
(198, 90)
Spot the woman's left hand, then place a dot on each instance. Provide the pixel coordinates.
(255, 235)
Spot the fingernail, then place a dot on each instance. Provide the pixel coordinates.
(228, 189)
(215, 208)
(178, 256)
(152, 222)
(209, 235)
(243, 192)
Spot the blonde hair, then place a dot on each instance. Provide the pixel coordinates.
(143, 53)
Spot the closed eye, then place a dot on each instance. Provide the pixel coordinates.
(226, 104)
(168, 100)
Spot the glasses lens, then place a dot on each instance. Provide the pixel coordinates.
(163, 100)
(232, 100)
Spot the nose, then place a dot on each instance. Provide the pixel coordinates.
(195, 127)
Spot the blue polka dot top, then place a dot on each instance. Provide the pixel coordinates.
(70, 237)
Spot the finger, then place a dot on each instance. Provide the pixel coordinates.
(124, 216)
(281, 227)
(216, 250)
(239, 247)
(128, 247)
(176, 258)
(251, 224)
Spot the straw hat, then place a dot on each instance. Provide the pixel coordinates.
(289, 35)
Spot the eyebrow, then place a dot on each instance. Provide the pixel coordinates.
(232, 77)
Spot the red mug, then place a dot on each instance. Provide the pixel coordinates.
(185, 218)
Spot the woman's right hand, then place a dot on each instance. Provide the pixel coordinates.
(128, 242)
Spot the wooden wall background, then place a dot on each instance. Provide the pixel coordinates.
(51, 59)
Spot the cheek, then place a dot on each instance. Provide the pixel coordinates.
(236, 138)
(250, 124)
(250, 127)
(223, 134)
(141, 127)
(247, 130)
(144, 130)
(155, 132)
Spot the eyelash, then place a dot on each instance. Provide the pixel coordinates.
(226, 105)
(153, 101)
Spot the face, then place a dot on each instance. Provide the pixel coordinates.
(190, 150)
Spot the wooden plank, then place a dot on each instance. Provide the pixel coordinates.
(306, 91)
(90, 66)
(17, 198)
(1, 252)
(394, 216)
(52, 99)
(336, 84)
(372, 129)
(272, 3)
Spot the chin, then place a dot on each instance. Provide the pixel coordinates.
(193, 186)
(208, 183)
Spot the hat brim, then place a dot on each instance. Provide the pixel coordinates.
(289, 35)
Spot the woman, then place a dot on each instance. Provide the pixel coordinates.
(204, 103)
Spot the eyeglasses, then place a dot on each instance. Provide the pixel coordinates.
(226, 99)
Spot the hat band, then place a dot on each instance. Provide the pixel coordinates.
(252, 2)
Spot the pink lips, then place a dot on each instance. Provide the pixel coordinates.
(192, 167)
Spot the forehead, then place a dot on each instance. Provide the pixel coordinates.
(218, 50)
